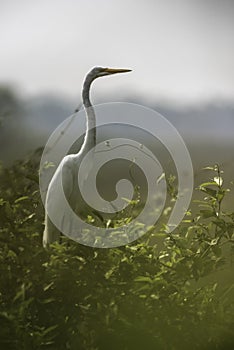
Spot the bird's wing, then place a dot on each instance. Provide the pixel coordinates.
(68, 176)
(54, 205)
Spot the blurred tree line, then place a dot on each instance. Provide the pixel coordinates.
(11, 118)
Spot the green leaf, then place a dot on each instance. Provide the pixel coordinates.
(2, 201)
(48, 286)
(21, 199)
(143, 279)
(209, 191)
(50, 329)
(210, 183)
(209, 168)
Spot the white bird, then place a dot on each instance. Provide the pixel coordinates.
(69, 166)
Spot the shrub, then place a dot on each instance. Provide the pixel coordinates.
(175, 295)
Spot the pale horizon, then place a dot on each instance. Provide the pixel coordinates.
(179, 51)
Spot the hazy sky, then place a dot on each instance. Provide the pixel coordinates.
(181, 50)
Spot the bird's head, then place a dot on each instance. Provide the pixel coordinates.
(97, 72)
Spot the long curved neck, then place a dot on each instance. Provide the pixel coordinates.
(90, 136)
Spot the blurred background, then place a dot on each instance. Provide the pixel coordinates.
(181, 53)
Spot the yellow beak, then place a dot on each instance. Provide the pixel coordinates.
(116, 70)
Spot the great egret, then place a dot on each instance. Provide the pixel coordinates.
(69, 165)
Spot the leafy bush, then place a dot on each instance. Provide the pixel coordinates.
(172, 295)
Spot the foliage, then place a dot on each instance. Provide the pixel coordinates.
(169, 295)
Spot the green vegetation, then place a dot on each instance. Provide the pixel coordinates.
(175, 295)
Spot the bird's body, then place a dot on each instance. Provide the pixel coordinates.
(68, 168)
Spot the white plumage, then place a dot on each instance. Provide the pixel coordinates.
(67, 171)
